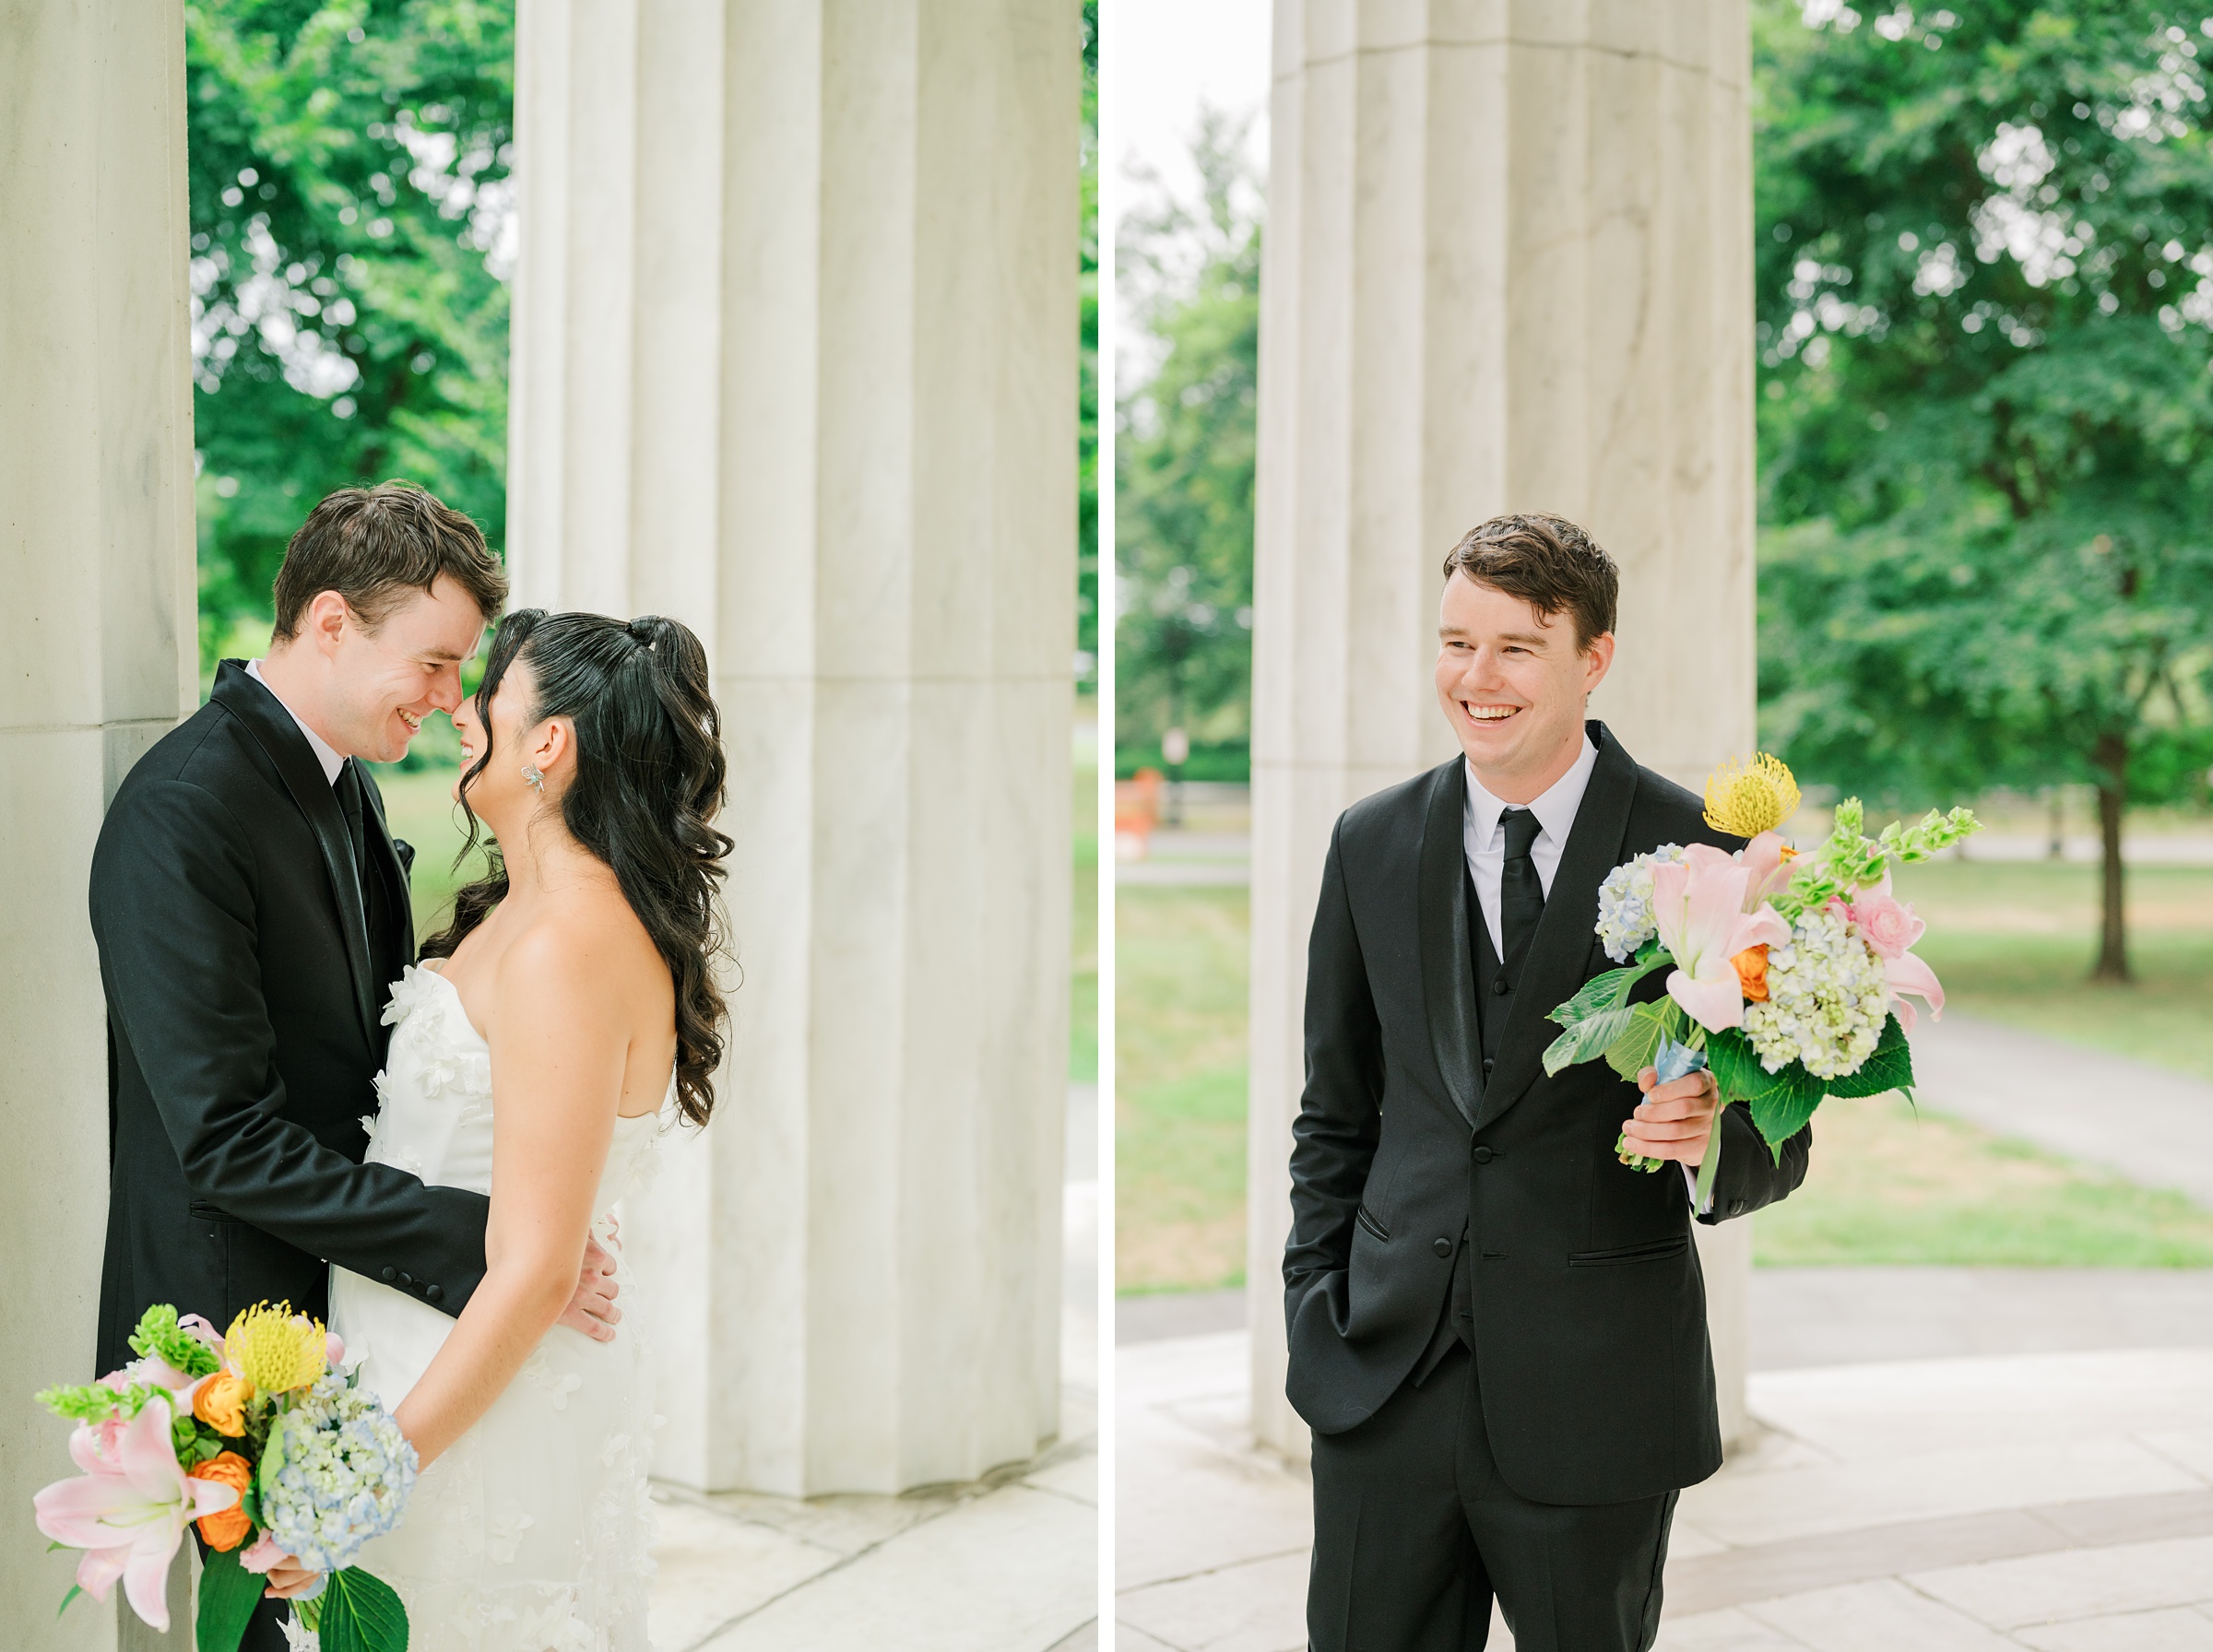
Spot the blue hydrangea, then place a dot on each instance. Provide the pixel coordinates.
(344, 1479)
(1625, 903)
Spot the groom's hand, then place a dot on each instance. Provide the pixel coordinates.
(592, 1310)
(1675, 1119)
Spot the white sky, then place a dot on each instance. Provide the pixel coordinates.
(1168, 56)
(1161, 60)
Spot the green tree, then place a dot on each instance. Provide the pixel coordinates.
(350, 196)
(1087, 414)
(1184, 459)
(1986, 431)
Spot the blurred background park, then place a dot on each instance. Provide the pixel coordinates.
(353, 240)
(1985, 469)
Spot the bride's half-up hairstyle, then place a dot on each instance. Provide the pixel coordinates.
(648, 786)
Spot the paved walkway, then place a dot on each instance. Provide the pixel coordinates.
(2155, 1127)
(1964, 1459)
(2061, 1502)
(1009, 1563)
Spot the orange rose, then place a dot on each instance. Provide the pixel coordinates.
(220, 1403)
(1752, 973)
(228, 1528)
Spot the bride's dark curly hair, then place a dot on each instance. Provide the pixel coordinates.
(648, 786)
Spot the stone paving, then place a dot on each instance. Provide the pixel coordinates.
(1967, 1458)
(1009, 1563)
(2061, 1502)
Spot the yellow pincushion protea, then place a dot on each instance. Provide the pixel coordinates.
(1750, 797)
(274, 1349)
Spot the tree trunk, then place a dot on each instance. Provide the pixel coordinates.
(2113, 793)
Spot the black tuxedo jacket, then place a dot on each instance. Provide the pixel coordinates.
(245, 1032)
(1588, 1309)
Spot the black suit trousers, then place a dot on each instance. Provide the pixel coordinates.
(1414, 1532)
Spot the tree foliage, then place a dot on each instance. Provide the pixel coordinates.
(350, 185)
(1985, 281)
(1185, 453)
(1087, 415)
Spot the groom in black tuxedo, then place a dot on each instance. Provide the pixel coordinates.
(1497, 1330)
(251, 910)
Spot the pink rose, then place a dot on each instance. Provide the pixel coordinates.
(263, 1554)
(1886, 923)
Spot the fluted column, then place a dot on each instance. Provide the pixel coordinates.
(98, 659)
(795, 362)
(1507, 267)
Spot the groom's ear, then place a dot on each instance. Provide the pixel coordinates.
(324, 620)
(1598, 659)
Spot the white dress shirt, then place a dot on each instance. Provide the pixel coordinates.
(333, 759)
(1485, 841)
(1485, 837)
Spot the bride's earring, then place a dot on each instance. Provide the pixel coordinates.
(534, 777)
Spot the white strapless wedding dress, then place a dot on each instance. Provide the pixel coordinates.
(534, 1533)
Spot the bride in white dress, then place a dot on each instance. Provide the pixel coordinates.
(572, 1018)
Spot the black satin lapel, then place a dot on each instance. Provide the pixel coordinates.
(264, 716)
(1554, 971)
(1448, 974)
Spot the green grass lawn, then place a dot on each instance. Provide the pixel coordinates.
(2012, 943)
(420, 807)
(1180, 1117)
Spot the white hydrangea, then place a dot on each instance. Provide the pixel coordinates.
(1625, 903)
(344, 1479)
(1827, 1000)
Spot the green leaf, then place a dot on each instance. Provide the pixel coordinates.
(1890, 1068)
(272, 1457)
(1586, 1038)
(1607, 991)
(228, 1592)
(360, 1613)
(1631, 1051)
(75, 1591)
(1781, 1113)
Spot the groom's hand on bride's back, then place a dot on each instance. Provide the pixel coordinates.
(592, 1310)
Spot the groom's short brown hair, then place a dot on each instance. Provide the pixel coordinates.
(374, 545)
(1549, 563)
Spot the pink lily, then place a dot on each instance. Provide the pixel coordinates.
(128, 1511)
(1889, 926)
(1768, 868)
(1698, 907)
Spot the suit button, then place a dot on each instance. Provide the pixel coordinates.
(433, 1293)
(405, 1278)
(1443, 1247)
(1488, 1062)
(388, 1275)
(1500, 987)
(1484, 1155)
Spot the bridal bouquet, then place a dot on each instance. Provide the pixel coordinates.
(1788, 973)
(258, 1437)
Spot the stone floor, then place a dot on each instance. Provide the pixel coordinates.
(2060, 1501)
(1009, 1563)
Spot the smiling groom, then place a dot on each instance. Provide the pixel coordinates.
(1497, 1330)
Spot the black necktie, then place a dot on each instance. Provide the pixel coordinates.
(348, 793)
(1521, 893)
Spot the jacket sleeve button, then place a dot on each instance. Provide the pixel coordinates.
(433, 1293)
(405, 1278)
(1443, 1247)
(388, 1274)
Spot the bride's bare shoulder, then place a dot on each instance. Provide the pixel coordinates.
(587, 942)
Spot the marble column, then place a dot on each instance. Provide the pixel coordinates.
(1509, 268)
(795, 341)
(98, 658)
